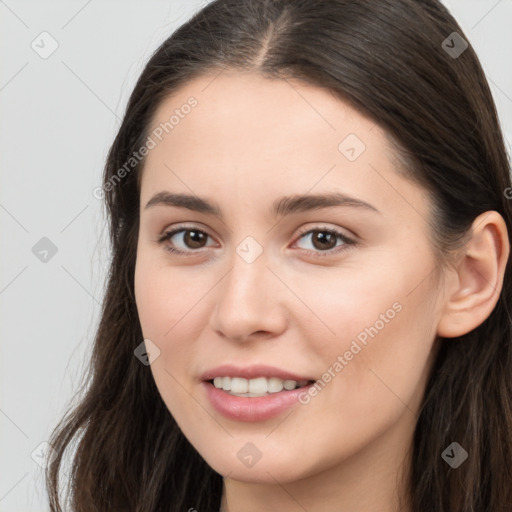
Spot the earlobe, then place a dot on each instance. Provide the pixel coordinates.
(471, 298)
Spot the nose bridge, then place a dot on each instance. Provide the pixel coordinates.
(247, 283)
(247, 298)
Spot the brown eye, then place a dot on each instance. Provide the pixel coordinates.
(194, 239)
(185, 240)
(188, 241)
(324, 241)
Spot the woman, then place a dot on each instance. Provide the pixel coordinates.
(307, 299)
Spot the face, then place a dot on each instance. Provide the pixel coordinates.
(341, 292)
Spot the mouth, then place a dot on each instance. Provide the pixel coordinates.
(257, 387)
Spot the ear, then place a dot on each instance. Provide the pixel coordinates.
(473, 293)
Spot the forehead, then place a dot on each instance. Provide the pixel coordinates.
(251, 136)
(252, 103)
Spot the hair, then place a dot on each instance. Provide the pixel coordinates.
(386, 59)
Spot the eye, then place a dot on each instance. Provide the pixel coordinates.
(324, 241)
(190, 237)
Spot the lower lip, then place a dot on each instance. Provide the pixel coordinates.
(262, 408)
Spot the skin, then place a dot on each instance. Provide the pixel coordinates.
(249, 141)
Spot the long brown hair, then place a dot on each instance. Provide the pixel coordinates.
(390, 60)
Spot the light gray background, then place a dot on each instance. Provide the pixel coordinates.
(58, 118)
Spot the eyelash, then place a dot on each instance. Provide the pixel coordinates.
(347, 242)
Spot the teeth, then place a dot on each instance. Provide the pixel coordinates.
(226, 383)
(255, 387)
(275, 385)
(239, 385)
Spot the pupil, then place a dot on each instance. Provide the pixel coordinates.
(194, 239)
(322, 237)
(189, 238)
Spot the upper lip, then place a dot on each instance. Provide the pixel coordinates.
(252, 372)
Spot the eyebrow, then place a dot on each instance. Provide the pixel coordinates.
(283, 206)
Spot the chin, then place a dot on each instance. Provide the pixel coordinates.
(266, 470)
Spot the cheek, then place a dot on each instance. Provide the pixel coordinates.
(165, 304)
(366, 316)
(171, 306)
(339, 306)
(163, 296)
(376, 320)
(376, 366)
(373, 333)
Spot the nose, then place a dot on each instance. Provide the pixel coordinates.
(250, 301)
